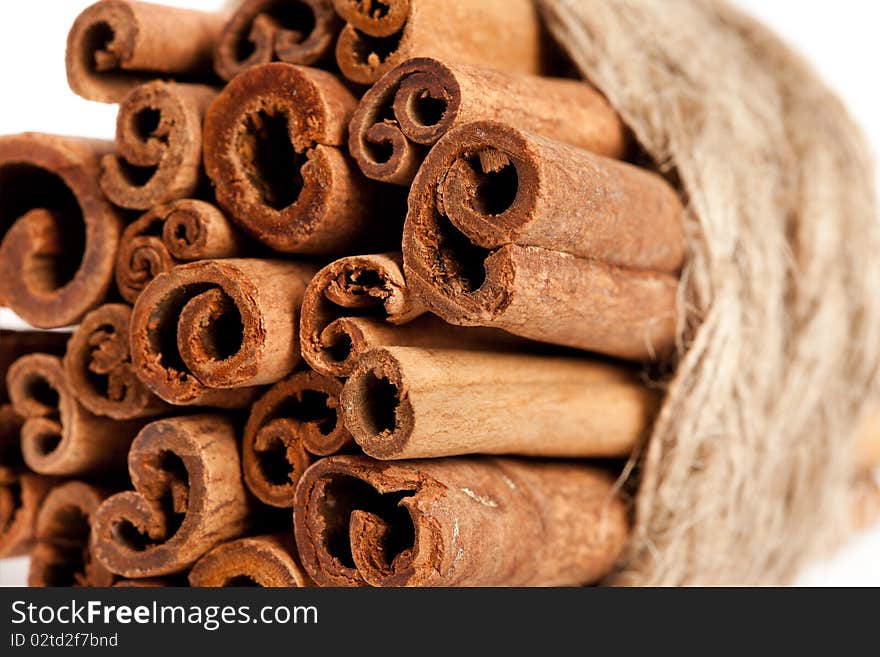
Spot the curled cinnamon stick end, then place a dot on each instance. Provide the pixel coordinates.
(457, 522)
(207, 332)
(159, 144)
(376, 19)
(60, 436)
(416, 103)
(59, 232)
(115, 45)
(297, 419)
(98, 367)
(274, 150)
(21, 494)
(261, 31)
(61, 556)
(171, 233)
(15, 344)
(268, 561)
(188, 497)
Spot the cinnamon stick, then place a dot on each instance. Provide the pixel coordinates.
(167, 235)
(274, 149)
(59, 233)
(502, 34)
(145, 583)
(61, 556)
(15, 344)
(262, 31)
(188, 497)
(116, 45)
(268, 561)
(21, 494)
(297, 419)
(207, 332)
(457, 522)
(416, 103)
(98, 366)
(159, 144)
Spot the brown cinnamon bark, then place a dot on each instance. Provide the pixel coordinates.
(15, 344)
(145, 583)
(502, 34)
(116, 45)
(297, 419)
(262, 31)
(417, 102)
(274, 148)
(167, 235)
(21, 494)
(159, 144)
(59, 233)
(207, 332)
(269, 561)
(61, 556)
(457, 522)
(98, 366)
(188, 497)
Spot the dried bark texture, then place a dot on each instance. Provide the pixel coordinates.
(262, 31)
(61, 556)
(416, 103)
(297, 419)
(268, 561)
(188, 497)
(21, 494)
(59, 435)
(502, 34)
(457, 522)
(208, 332)
(167, 235)
(98, 367)
(116, 45)
(158, 143)
(274, 148)
(59, 233)
(15, 344)
(145, 583)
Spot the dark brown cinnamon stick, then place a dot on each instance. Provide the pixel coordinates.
(21, 494)
(188, 497)
(417, 102)
(59, 233)
(267, 561)
(116, 45)
(457, 522)
(15, 344)
(261, 31)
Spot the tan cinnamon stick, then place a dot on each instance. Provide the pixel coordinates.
(21, 494)
(159, 144)
(207, 332)
(116, 45)
(61, 556)
(59, 233)
(98, 367)
(297, 419)
(167, 235)
(502, 34)
(416, 103)
(268, 561)
(274, 149)
(261, 31)
(188, 497)
(457, 522)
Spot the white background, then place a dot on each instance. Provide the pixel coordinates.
(839, 37)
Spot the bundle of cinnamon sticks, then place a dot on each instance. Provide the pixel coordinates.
(364, 294)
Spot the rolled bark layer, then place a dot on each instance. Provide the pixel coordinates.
(167, 235)
(15, 344)
(98, 367)
(501, 34)
(188, 497)
(116, 45)
(21, 494)
(261, 31)
(457, 522)
(59, 232)
(159, 144)
(416, 103)
(61, 556)
(208, 332)
(297, 419)
(268, 561)
(274, 148)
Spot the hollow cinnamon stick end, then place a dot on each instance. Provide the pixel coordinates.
(266, 561)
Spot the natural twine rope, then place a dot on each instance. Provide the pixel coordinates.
(747, 472)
